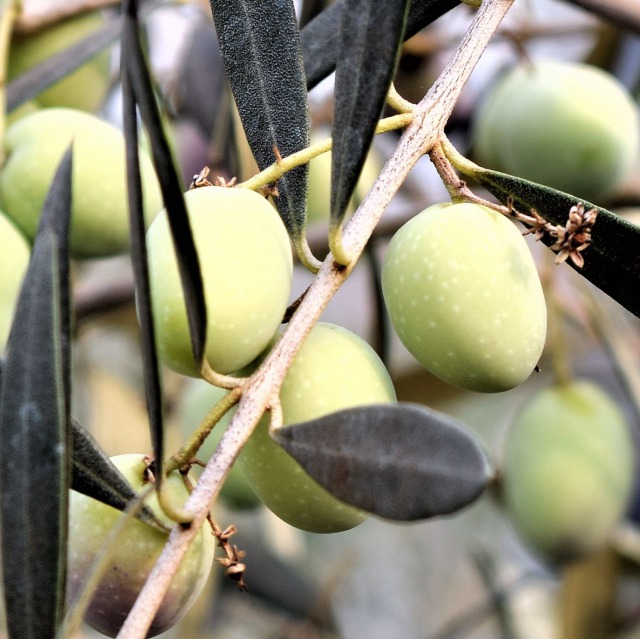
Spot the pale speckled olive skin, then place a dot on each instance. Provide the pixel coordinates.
(568, 470)
(90, 523)
(15, 253)
(464, 296)
(35, 145)
(334, 369)
(246, 264)
(569, 126)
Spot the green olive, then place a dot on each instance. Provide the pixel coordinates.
(464, 296)
(334, 369)
(133, 556)
(35, 145)
(568, 470)
(246, 263)
(569, 126)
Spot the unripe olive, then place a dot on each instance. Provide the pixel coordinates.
(35, 145)
(569, 126)
(133, 556)
(14, 259)
(335, 369)
(464, 296)
(195, 402)
(568, 470)
(246, 263)
(86, 87)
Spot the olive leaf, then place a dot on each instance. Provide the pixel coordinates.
(612, 259)
(370, 36)
(35, 428)
(399, 461)
(319, 38)
(138, 89)
(94, 475)
(260, 46)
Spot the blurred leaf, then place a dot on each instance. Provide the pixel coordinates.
(137, 88)
(399, 461)
(94, 474)
(260, 45)
(319, 39)
(371, 34)
(34, 428)
(58, 66)
(612, 260)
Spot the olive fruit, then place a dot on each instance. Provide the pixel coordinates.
(14, 260)
(569, 126)
(464, 296)
(246, 264)
(35, 145)
(198, 398)
(335, 369)
(568, 470)
(133, 556)
(86, 87)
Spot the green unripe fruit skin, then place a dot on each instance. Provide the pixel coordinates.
(464, 296)
(14, 260)
(246, 263)
(335, 369)
(568, 470)
(35, 145)
(85, 88)
(197, 400)
(569, 126)
(135, 553)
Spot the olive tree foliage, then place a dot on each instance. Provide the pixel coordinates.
(270, 64)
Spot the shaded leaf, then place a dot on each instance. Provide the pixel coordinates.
(399, 461)
(370, 37)
(58, 66)
(319, 39)
(137, 88)
(34, 428)
(611, 262)
(260, 45)
(94, 474)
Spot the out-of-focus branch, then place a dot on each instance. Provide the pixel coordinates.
(622, 13)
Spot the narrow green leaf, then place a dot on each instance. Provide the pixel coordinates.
(33, 82)
(34, 429)
(320, 37)
(260, 45)
(94, 474)
(137, 70)
(370, 37)
(612, 260)
(399, 461)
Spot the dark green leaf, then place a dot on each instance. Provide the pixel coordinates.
(33, 82)
(399, 461)
(370, 37)
(137, 88)
(320, 37)
(260, 45)
(34, 428)
(94, 474)
(611, 262)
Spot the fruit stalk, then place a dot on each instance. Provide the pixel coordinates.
(431, 115)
